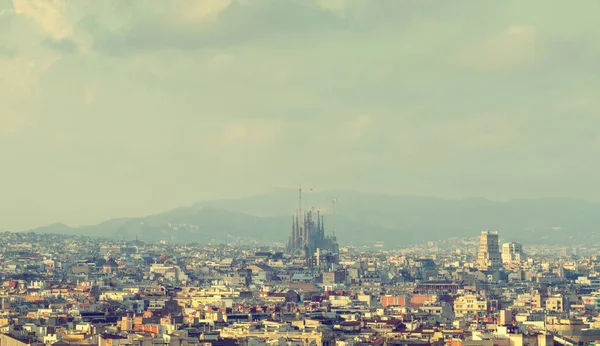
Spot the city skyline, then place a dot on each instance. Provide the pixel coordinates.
(131, 292)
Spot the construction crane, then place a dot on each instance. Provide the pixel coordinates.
(333, 202)
(300, 189)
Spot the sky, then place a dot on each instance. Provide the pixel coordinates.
(112, 108)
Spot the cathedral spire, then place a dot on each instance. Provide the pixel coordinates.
(318, 220)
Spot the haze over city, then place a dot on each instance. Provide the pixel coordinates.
(128, 108)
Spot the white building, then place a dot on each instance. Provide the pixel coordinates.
(512, 253)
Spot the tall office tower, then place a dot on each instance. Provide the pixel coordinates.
(488, 256)
(512, 253)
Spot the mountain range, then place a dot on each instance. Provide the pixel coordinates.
(360, 218)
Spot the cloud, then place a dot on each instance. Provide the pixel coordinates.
(49, 14)
(236, 133)
(513, 47)
(6, 52)
(355, 128)
(336, 6)
(491, 131)
(18, 74)
(205, 9)
(9, 124)
(191, 25)
(5, 12)
(584, 102)
(149, 84)
(89, 95)
(121, 26)
(65, 45)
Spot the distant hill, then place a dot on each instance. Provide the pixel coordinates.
(361, 218)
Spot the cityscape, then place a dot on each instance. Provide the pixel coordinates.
(78, 290)
(299, 173)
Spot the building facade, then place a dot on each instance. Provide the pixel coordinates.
(470, 305)
(512, 253)
(488, 255)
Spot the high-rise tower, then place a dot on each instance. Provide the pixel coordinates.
(488, 255)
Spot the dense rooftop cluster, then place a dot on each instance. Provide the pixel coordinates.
(59, 290)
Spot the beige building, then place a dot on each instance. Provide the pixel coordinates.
(279, 333)
(530, 301)
(7, 340)
(556, 303)
(488, 255)
(470, 304)
(505, 317)
(512, 253)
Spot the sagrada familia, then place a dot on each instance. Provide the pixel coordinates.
(308, 235)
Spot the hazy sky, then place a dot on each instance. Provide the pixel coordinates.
(127, 107)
